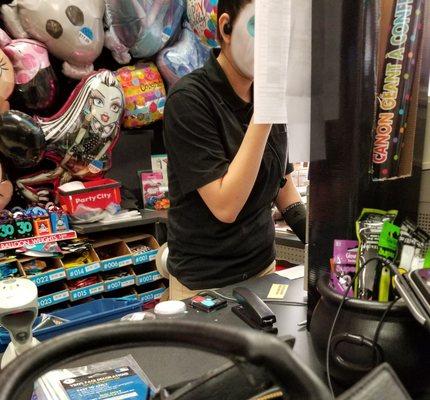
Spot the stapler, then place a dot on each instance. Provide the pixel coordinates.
(253, 310)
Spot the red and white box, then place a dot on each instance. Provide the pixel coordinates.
(99, 194)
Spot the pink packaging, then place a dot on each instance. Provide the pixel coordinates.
(345, 257)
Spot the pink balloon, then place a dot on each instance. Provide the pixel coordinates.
(72, 30)
(36, 84)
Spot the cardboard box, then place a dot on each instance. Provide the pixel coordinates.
(15, 265)
(87, 291)
(85, 269)
(59, 295)
(146, 274)
(151, 292)
(120, 254)
(142, 257)
(128, 293)
(57, 273)
(121, 282)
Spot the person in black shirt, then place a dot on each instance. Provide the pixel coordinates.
(225, 172)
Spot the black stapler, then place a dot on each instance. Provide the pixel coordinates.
(253, 310)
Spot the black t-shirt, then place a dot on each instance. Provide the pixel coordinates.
(204, 125)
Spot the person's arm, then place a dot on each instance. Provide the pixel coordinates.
(199, 159)
(226, 196)
(293, 211)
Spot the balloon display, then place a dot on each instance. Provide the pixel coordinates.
(6, 81)
(6, 189)
(72, 30)
(36, 84)
(183, 57)
(21, 139)
(145, 95)
(202, 15)
(141, 27)
(80, 137)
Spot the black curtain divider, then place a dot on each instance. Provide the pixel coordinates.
(344, 83)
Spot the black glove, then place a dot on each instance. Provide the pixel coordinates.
(295, 216)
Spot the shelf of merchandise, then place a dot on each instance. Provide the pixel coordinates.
(147, 218)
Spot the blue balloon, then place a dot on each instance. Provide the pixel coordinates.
(141, 27)
(186, 55)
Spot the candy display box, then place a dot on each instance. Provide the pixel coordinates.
(146, 273)
(80, 271)
(151, 292)
(137, 245)
(87, 291)
(119, 283)
(128, 293)
(54, 272)
(113, 254)
(56, 293)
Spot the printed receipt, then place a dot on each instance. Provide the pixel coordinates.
(272, 43)
(282, 87)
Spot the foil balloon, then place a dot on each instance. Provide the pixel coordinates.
(36, 84)
(72, 30)
(80, 137)
(21, 139)
(186, 55)
(6, 81)
(6, 189)
(145, 95)
(202, 15)
(141, 27)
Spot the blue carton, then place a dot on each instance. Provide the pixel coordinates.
(131, 297)
(81, 316)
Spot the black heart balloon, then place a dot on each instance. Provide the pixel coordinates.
(21, 139)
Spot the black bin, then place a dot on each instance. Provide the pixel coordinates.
(402, 342)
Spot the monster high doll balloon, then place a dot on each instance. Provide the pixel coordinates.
(141, 27)
(6, 81)
(36, 84)
(80, 137)
(72, 30)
